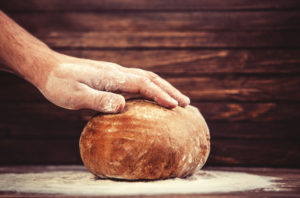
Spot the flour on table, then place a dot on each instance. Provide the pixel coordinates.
(81, 182)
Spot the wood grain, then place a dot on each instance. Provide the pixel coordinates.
(276, 130)
(227, 111)
(171, 39)
(237, 112)
(29, 120)
(255, 153)
(41, 23)
(60, 129)
(225, 120)
(39, 151)
(202, 88)
(144, 5)
(238, 60)
(199, 62)
(223, 152)
(239, 88)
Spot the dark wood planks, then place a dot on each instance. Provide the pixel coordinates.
(164, 29)
(254, 130)
(223, 152)
(239, 88)
(39, 151)
(201, 88)
(200, 62)
(278, 29)
(144, 5)
(258, 152)
(172, 39)
(159, 21)
(238, 60)
(227, 111)
(39, 128)
(220, 111)
(225, 120)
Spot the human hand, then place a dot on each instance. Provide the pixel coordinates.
(75, 83)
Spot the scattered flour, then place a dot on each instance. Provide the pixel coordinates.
(81, 182)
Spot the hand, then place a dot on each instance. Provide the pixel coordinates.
(75, 83)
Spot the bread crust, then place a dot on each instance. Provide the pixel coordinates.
(145, 141)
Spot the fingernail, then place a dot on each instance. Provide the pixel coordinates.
(186, 100)
(120, 107)
(114, 105)
(120, 104)
(173, 101)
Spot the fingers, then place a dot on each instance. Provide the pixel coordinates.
(102, 101)
(172, 91)
(150, 90)
(136, 84)
(116, 78)
(163, 85)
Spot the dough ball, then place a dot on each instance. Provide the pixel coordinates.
(145, 141)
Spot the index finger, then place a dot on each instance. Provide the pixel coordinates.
(136, 84)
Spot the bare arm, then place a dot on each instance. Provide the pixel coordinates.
(75, 83)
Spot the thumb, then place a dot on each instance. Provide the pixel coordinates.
(102, 101)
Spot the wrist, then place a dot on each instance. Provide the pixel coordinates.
(38, 63)
(23, 54)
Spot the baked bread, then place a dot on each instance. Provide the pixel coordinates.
(145, 141)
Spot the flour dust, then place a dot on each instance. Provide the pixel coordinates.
(81, 182)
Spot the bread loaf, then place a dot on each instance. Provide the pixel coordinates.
(145, 141)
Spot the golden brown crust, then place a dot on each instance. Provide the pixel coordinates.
(145, 141)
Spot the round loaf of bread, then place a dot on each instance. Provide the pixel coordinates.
(145, 141)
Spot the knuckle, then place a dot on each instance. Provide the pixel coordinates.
(146, 87)
(72, 103)
(114, 65)
(77, 87)
(138, 70)
(153, 76)
(99, 100)
(144, 81)
(109, 103)
(71, 99)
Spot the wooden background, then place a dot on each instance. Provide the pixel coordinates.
(238, 60)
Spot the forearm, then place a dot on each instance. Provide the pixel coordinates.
(75, 83)
(21, 53)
